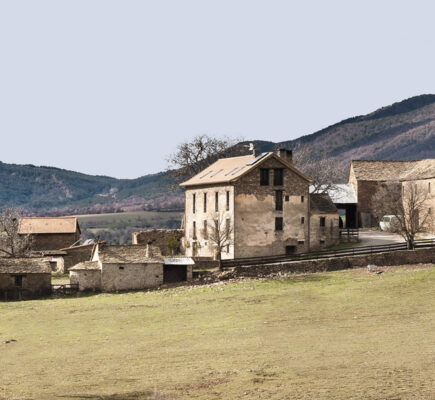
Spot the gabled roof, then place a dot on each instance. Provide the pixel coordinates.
(365, 170)
(322, 204)
(37, 225)
(128, 254)
(227, 170)
(24, 266)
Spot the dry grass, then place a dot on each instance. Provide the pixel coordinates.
(342, 335)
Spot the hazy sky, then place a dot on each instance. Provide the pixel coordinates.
(110, 87)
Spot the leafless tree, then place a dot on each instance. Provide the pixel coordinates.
(13, 244)
(191, 157)
(408, 204)
(220, 233)
(325, 172)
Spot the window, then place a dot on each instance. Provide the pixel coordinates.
(428, 187)
(194, 230)
(121, 267)
(278, 223)
(228, 248)
(18, 280)
(302, 199)
(287, 198)
(228, 201)
(322, 242)
(322, 221)
(227, 228)
(301, 242)
(194, 203)
(205, 202)
(264, 177)
(278, 176)
(278, 200)
(302, 220)
(290, 250)
(205, 229)
(216, 201)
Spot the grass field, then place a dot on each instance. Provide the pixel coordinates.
(341, 335)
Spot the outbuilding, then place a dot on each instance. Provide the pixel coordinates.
(24, 278)
(177, 269)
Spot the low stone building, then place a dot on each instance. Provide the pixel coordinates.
(169, 241)
(114, 268)
(24, 278)
(50, 233)
(324, 222)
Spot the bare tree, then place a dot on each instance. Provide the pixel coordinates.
(13, 244)
(325, 172)
(191, 157)
(220, 233)
(408, 204)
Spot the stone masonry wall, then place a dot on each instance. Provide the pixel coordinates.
(76, 255)
(324, 236)
(401, 257)
(53, 241)
(161, 238)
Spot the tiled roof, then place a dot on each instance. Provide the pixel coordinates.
(48, 225)
(322, 204)
(24, 266)
(86, 266)
(126, 254)
(393, 170)
(226, 170)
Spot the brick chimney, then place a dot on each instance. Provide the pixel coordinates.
(286, 155)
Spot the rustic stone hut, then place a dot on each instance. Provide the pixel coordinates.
(50, 233)
(324, 222)
(114, 268)
(24, 278)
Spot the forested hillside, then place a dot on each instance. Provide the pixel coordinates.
(402, 131)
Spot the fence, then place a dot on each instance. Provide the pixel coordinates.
(65, 288)
(349, 232)
(354, 251)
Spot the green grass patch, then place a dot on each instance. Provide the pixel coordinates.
(334, 335)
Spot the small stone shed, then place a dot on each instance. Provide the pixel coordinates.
(177, 269)
(324, 222)
(24, 278)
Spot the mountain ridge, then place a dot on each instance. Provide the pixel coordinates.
(403, 130)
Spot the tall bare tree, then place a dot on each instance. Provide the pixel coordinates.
(326, 173)
(191, 157)
(408, 204)
(13, 244)
(220, 233)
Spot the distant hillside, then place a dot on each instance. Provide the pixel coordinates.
(402, 131)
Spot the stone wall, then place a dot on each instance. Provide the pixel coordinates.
(116, 277)
(34, 285)
(161, 238)
(255, 213)
(401, 257)
(88, 280)
(324, 236)
(53, 241)
(77, 254)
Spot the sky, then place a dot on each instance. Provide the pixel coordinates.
(111, 87)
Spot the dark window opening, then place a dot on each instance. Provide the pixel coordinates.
(278, 176)
(216, 201)
(228, 248)
(322, 242)
(301, 242)
(302, 199)
(228, 201)
(302, 220)
(278, 200)
(205, 230)
(194, 203)
(290, 250)
(18, 281)
(322, 221)
(264, 177)
(205, 202)
(121, 267)
(194, 230)
(287, 198)
(278, 223)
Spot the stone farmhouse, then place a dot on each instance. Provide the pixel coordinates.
(264, 201)
(24, 278)
(367, 176)
(114, 268)
(50, 233)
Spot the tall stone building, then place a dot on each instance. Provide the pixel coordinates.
(263, 200)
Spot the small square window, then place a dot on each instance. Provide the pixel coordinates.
(301, 242)
(121, 267)
(322, 242)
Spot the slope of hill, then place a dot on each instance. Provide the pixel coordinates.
(402, 131)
